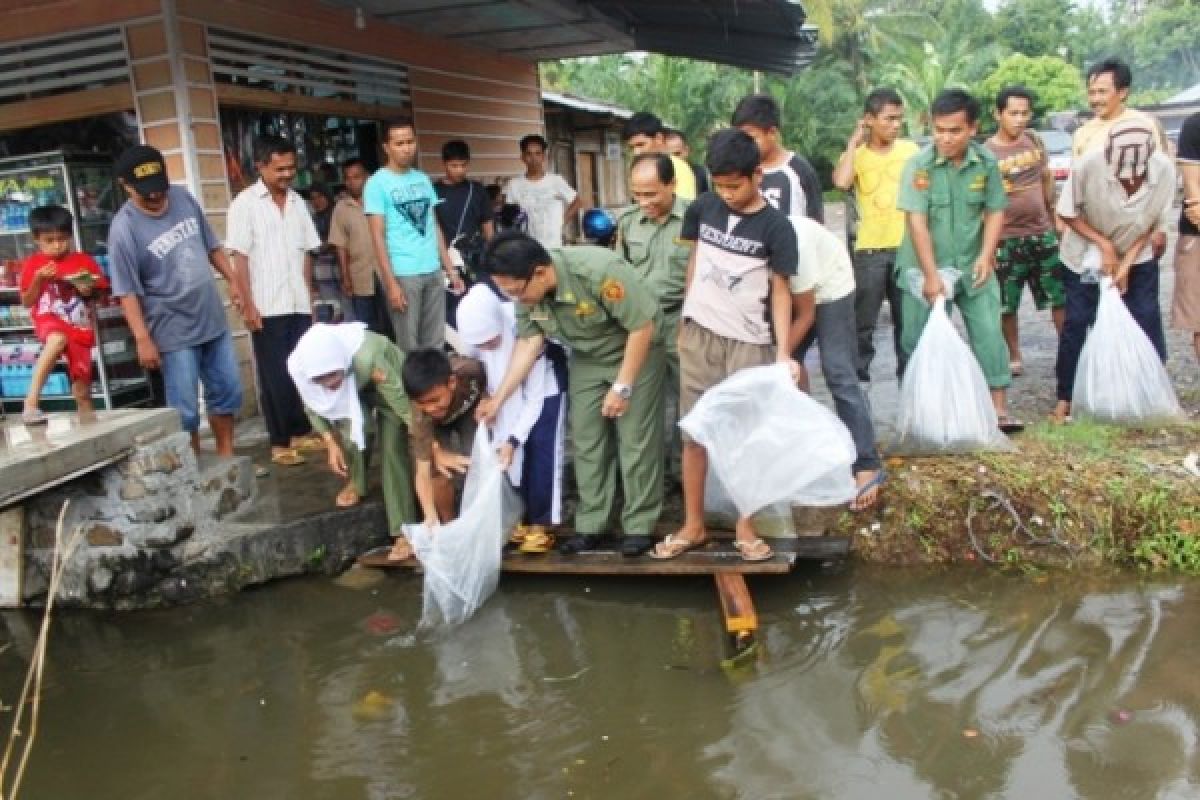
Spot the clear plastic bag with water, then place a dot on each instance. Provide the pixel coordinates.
(770, 444)
(945, 403)
(1120, 378)
(461, 559)
(914, 281)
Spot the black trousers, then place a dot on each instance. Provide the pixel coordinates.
(281, 405)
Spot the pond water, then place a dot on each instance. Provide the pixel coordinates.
(872, 684)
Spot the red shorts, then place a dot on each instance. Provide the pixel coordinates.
(80, 342)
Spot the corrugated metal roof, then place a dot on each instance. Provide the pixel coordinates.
(577, 103)
(768, 35)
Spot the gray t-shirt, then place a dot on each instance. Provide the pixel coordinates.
(164, 261)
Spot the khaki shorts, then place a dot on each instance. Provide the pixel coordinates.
(707, 358)
(1185, 309)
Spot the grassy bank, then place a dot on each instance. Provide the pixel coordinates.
(1072, 496)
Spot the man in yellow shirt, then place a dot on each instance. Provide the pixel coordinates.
(871, 166)
(645, 133)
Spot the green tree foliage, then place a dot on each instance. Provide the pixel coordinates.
(1034, 27)
(1056, 85)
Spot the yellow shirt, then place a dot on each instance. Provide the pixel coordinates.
(1093, 134)
(876, 183)
(685, 179)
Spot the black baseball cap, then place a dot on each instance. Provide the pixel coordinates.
(143, 168)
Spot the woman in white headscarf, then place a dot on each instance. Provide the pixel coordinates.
(345, 375)
(529, 426)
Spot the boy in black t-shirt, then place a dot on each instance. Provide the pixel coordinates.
(789, 182)
(464, 215)
(737, 312)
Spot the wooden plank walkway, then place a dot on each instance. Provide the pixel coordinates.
(717, 557)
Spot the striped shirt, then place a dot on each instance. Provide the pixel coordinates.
(276, 245)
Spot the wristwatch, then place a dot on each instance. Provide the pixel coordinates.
(622, 390)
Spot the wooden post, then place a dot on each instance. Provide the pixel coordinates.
(12, 555)
(741, 621)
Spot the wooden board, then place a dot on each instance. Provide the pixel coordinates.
(737, 608)
(715, 559)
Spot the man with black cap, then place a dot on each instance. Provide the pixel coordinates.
(162, 253)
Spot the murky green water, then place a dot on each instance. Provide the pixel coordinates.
(875, 685)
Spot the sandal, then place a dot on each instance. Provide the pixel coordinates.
(287, 457)
(1016, 368)
(1010, 424)
(874, 484)
(307, 443)
(34, 416)
(754, 550)
(347, 497)
(401, 550)
(537, 541)
(674, 546)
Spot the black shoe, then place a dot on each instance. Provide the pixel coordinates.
(634, 546)
(579, 543)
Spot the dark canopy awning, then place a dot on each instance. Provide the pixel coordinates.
(768, 35)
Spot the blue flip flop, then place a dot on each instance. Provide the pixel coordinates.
(879, 479)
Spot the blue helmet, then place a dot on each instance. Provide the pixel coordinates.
(598, 224)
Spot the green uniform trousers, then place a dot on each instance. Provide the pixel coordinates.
(391, 437)
(629, 446)
(980, 309)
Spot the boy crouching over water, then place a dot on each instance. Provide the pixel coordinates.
(444, 391)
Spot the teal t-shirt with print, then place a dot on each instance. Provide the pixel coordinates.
(405, 200)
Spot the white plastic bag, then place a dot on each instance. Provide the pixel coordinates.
(1120, 378)
(461, 559)
(720, 513)
(945, 403)
(770, 443)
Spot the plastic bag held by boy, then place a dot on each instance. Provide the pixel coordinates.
(768, 442)
(461, 559)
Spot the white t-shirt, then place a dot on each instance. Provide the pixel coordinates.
(822, 263)
(545, 202)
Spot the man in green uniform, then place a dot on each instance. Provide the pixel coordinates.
(648, 238)
(592, 301)
(953, 200)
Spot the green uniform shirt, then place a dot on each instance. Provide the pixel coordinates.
(954, 199)
(656, 252)
(376, 365)
(599, 300)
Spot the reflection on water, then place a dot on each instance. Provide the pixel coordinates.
(874, 685)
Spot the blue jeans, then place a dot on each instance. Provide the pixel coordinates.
(212, 363)
(833, 330)
(1082, 298)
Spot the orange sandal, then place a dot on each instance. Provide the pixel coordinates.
(287, 457)
(537, 541)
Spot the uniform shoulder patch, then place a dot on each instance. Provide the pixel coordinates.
(612, 290)
(920, 179)
(585, 309)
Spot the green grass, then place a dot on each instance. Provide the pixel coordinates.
(1092, 437)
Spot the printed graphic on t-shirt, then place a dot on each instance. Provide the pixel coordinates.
(64, 302)
(411, 203)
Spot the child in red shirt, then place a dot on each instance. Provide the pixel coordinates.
(56, 285)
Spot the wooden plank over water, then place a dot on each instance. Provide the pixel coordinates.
(718, 556)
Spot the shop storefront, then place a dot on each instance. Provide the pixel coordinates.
(199, 79)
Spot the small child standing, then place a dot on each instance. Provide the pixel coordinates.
(56, 285)
(530, 425)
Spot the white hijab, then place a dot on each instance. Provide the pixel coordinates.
(321, 350)
(482, 316)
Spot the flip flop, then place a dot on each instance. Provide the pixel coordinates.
(1010, 424)
(673, 546)
(879, 480)
(309, 442)
(409, 553)
(35, 417)
(287, 458)
(1016, 368)
(754, 550)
